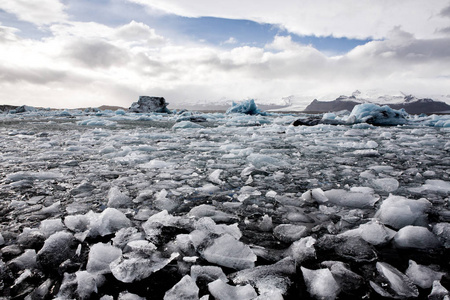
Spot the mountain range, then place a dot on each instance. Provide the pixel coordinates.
(410, 103)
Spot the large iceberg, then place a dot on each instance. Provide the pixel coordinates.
(378, 115)
(148, 104)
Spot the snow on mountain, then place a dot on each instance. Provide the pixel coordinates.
(410, 103)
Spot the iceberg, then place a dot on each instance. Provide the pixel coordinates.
(378, 115)
(247, 107)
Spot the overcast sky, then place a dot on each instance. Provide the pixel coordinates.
(80, 53)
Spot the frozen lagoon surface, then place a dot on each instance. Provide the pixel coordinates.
(133, 206)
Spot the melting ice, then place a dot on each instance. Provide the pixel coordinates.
(242, 205)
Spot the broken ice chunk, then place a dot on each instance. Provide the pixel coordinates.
(320, 283)
(375, 233)
(100, 256)
(117, 199)
(128, 296)
(433, 185)
(140, 246)
(347, 279)
(77, 223)
(416, 237)
(351, 199)
(205, 210)
(316, 195)
(184, 289)
(207, 273)
(398, 211)
(439, 292)
(49, 227)
(397, 281)
(289, 233)
(209, 226)
(271, 279)
(349, 247)
(422, 275)
(228, 252)
(162, 202)
(57, 248)
(387, 184)
(87, 284)
(222, 291)
(126, 235)
(303, 249)
(26, 260)
(134, 267)
(214, 177)
(442, 231)
(108, 221)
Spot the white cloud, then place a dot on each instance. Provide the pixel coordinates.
(230, 41)
(89, 64)
(347, 18)
(39, 12)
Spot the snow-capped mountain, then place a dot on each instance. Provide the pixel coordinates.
(410, 103)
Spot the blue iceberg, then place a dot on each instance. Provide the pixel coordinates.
(246, 107)
(378, 115)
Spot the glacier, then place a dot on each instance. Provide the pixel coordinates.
(238, 205)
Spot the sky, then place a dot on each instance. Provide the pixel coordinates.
(87, 53)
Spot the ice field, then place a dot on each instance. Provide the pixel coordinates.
(118, 205)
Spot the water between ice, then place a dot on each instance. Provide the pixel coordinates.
(237, 207)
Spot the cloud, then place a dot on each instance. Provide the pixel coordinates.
(230, 41)
(90, 64)
(94, 53)
(348, 18)
(39, 12)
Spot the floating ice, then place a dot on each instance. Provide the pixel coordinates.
(100, 256)
(134, 267)
(439, 292)
(351, 199)
(49, 227)
(86, 284)
(57, 248)
(387, 184)
(397, 281)
(187, 125)
(375, 233)
(398, 211)
(228, 252)
(422, 275)
(245, 107)
(26, 260)
(315, 195)
(214, 177)
(269, 280)
(108, 221)
(289, 233)
(205, 210)
(184, 289)
(33, 176)
(303, 249)
(346, 279)
(415, 237)
(320, 283)
(223, 291)
(378, 115)
(433, 185)
(117, 199)
(262, 160)
(442, 231)
(207, 273)
(96, 122)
